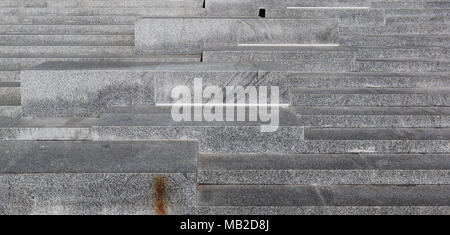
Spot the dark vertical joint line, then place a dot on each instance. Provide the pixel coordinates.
(262, 13)
(204, 3)
(160, 195)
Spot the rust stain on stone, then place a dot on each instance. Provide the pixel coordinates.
(160, 195)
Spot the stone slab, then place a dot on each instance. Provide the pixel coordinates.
(189, 35)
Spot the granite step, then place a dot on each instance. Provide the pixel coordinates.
(46, 128)
(107, 177)
(377, 133)
(323, 169)
(66, 51)
(350, 17)
(338, 199)
(9, 76)
(410, 4)
(103, 3)
(403, 29)
(391, 97)
(45, 93)
(21, 63)
(324, 54)
(402, 65)
(67, 29)
(369, 80)
(9, 93)
(66, 40)
(104, 11)
(374, 117)
(67, 20)
(10, 111)
(376, 146)
(395, 41)
(417, 20)
(417, 12)
(149, 123)
(152, 36)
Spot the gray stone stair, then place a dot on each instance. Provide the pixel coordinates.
(392, 97)
(73, 177)
(65, 40)
(306, 199)
(237, 136)
(17, 128)
(323, 169)
(86, 99)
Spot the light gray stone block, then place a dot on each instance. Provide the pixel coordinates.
(66, 51)
(350, 17)
(102, 11)
(189, 35)
(417, 20)
(395, 40)
(97, 194)
(27, 62)
(416, 12)
(67, 29)
(404, 29)
(377, 146)
(324, 210)
(370, 97)
(9, 76)
(32, 157)
(66, 40)
(377, 134)
(374, 121)
(46, 128)
(299, 195)
(157, 123)
(368, 80)
(402, 65)
(10, 111)
(95, 87)
(320, 169)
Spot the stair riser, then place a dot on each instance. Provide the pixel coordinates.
(388, 100)
(152, 36)
(213, 139)
(369, 81)
(10, 111)
(68, 29)
(105, 194)
(323, 177)
(64, 40)
(66, 51)
(9, 96)
(395, 41)
(403, 66)
(113, 11)
(380, 146)
(374, 121)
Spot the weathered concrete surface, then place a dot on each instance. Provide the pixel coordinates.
(190, 35)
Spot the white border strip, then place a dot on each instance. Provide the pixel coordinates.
(223, 105)
(331, 8)
(288, 45)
